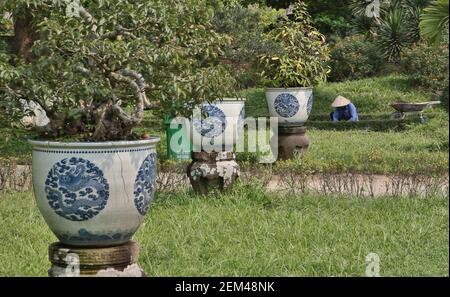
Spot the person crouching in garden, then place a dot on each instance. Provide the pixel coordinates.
(344, 110)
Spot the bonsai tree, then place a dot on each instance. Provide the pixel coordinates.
(303, 63)
(95, 66)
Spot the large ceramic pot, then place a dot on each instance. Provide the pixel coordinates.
(292, 106)
(220, 122)
(94, 194)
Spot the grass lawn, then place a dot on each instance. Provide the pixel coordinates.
(417, 149)
(253, 233)
(370, 95)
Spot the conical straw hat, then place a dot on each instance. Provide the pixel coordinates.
(340, 101)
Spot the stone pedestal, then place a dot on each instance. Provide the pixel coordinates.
(115, 261)
(212, 171)
(292, 140)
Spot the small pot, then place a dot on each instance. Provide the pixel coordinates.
(220, 122)
(292, 106)
(94, 194)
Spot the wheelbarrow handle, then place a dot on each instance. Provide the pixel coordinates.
(433, 102)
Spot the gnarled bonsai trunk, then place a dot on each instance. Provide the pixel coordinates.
(24, 36)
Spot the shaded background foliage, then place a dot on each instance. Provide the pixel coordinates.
(247, 28)
(354, 57)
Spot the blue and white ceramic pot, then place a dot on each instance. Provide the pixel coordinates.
(94, 194)
(292, 106)
(220, 122)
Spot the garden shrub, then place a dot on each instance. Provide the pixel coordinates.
(304, 61)
(354, 57)
(428, 65)
(394, 29)
(246, 26)
(5, 27)
(332, 24)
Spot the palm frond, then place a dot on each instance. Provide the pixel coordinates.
(393, 37)
(434, 21)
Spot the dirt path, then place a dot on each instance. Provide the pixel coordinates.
(362, 184)
(368, 185)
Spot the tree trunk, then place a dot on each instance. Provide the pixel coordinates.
(24, 36)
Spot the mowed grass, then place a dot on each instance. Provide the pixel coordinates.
(419, 149)
(415, 151)
(370, 95)
(422, 149)
(250, 232)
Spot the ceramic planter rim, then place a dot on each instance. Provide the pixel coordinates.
(152, 141)
(229, 100)
(232, 99)
(288, 89)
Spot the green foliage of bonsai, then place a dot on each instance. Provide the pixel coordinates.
(94, 66)
(5, 32)
(304, 61)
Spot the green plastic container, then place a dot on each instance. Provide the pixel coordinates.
(184, 151)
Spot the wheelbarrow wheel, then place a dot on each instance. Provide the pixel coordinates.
(397, 115)
(422, 119)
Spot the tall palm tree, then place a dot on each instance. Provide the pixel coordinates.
(434, 21)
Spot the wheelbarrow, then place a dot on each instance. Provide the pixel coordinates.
(403, 108)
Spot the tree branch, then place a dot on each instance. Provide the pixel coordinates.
(140, 81)
(138, 84)
(85, 14)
